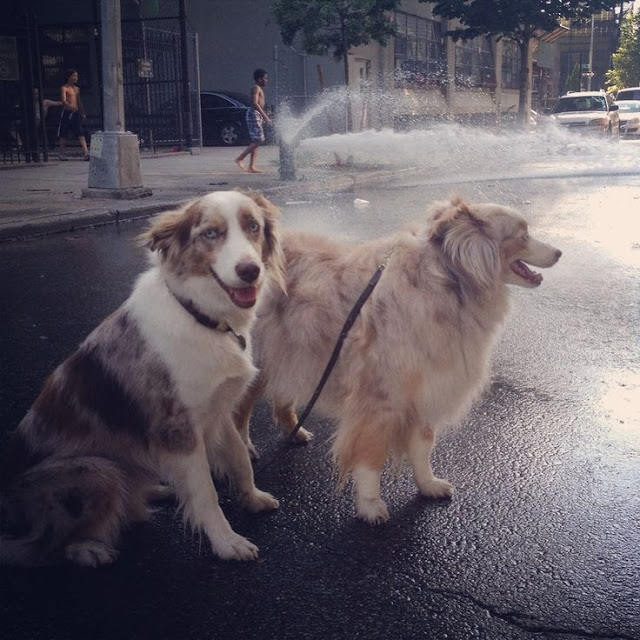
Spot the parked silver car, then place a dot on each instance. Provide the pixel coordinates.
(629, 111)
(629, 93)
(591, 112)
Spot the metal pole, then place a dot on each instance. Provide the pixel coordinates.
(186, 84)
(30, 143)
(590, 57)
(114, 170)
(43, 127)
(198, 89)
(147, 87)
(113, 93)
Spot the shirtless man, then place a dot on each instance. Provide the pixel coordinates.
(72, 113)
(256, 116)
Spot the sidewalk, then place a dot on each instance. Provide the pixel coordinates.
(36, 199)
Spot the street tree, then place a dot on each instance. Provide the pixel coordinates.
(518, 21)
(332, 27)
(626, 60)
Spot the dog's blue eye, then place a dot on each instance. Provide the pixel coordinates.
(210, 234)
(254, 227)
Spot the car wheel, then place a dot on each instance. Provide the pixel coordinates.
(230, 134)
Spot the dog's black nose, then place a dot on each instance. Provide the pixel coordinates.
(248, 271)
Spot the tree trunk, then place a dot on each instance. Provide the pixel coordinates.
(346, 69)
(525, 83)
(345, 48)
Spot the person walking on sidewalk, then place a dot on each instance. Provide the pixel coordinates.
(72, 114)
(256, 117)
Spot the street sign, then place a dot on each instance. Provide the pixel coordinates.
(145, 68)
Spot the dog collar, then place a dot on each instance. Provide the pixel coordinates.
(206, 321)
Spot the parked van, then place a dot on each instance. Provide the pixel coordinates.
(630, 93)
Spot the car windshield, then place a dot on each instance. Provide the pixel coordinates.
(628, 106)
(580, 103)
(628, 94)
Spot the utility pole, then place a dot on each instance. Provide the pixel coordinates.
(114, 169)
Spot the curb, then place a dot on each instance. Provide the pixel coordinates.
(52, 162)
(68, 222)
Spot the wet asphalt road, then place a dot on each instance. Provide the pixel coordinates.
(542, 539)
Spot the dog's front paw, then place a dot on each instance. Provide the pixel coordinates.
(234, 547)
(90, 553)
(372, 510)
(302, 436)
(259, 501)
(437, 488)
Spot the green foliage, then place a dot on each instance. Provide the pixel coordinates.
(518, 20)
(626, 60)
(332, 27)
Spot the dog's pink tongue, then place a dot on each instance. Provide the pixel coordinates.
(245, 297)
(523, 271)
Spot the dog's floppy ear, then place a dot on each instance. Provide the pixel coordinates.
(171, 231)
(272, 256)
(465, 241)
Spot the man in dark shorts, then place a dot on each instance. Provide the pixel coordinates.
(256, 117)
(72, 113)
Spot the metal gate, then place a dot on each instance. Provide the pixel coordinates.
(153, 73)
(21, 128)
(160, 73)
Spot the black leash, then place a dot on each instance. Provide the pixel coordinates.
(351, 318)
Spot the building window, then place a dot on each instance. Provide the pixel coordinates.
(510, 64)
(475, 66)
(65, 48)
(420, 56)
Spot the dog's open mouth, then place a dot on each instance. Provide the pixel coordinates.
(243, 297)
(522, 270)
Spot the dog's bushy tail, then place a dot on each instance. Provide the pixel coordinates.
(62, 501)
(15, 459)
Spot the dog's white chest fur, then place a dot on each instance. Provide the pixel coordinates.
(199, 358)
